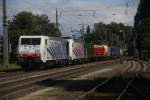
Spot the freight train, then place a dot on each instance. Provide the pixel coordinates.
(44, 51)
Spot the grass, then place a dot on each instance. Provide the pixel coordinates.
(53, 91)
(9, 67)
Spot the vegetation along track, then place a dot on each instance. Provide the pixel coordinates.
(127, 85)
(18, 85)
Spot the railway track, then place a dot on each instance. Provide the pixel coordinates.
(10, 73)
(24, 83)
(129, 85)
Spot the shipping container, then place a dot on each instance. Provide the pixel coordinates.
(115, 51)
(89, 51)
(101, 51)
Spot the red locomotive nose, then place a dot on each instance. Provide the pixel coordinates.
(29, 56)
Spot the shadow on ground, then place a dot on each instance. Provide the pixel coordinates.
(137, 90)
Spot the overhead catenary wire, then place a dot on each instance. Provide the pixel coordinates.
(42, 7)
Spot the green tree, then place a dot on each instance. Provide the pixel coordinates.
(142, 12)
(110, 34)
(43, 26)
(88, 31)
(143, 40)
(141, 26)
(25, 23)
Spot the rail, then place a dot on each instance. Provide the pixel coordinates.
(22, 82)
(93, 89)
(137, 83)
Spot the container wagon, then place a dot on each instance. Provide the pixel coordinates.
(89, 47)
(101, 52)
(115, 51)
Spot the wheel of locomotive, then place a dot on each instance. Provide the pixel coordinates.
(61, 63)
(43, 66)
(50, 64)
(25, 67)
(67, 62)
(80, 61)
(64, 63)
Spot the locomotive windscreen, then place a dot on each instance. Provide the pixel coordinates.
(30, 41)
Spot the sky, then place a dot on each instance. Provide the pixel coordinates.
(73, 13)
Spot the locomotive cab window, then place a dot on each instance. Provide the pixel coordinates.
(30, 41)
(36, 41)
(25, 41)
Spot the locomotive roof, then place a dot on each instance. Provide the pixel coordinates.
(51, 38)
(39, 36)
(32, 36)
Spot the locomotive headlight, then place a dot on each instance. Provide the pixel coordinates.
(38, 55)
